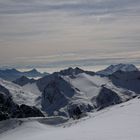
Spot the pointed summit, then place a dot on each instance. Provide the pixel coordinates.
(118, 67)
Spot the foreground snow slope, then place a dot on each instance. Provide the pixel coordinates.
(120, 122)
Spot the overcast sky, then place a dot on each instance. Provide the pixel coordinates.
(37, 31)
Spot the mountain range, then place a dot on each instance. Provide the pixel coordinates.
(13, 74)
(73, 92)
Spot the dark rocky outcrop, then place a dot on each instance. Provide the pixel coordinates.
(56, 95)
(127, 80)
(9, 109)
(30, 111)
(78, 110)
(74, 71)
(4, 90)
(23, 81)
(107, 97)
(7, 106)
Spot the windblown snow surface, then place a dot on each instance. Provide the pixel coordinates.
(91, 85)
(119, 122)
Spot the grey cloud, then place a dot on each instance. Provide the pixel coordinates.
(83, 7)
(52, 26)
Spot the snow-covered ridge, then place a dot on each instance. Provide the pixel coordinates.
(74, 92)
(118, 67)
(21, 95)
(63, 95)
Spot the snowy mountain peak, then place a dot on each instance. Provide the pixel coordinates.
(118, 67)
(71, 71)
(34, 70)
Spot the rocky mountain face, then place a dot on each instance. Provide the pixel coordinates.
(58, 94)
(9, 109)
(123, 75)
(107, 97)
(128, 80)
(72, 72)
(71, 93)
(23, 81)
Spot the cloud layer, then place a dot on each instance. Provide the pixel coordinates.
(33, 28)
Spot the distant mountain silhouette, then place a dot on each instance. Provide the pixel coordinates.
(13, 74)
